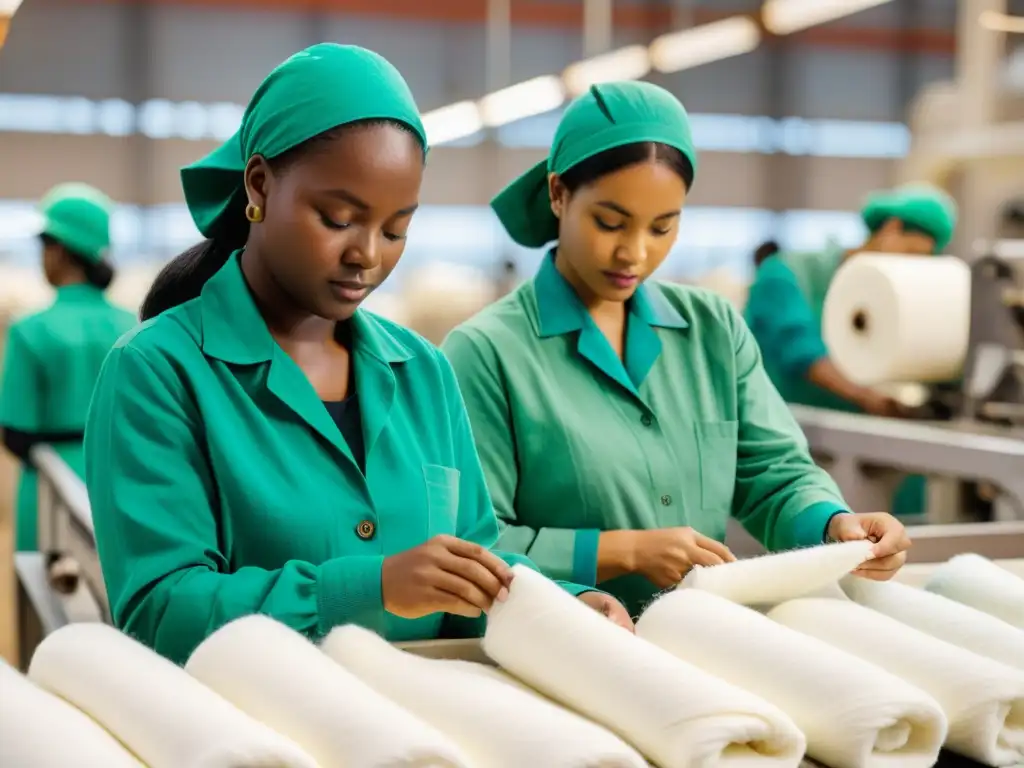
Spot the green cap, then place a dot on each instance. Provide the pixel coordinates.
(921, 206)
(78, 217)
(607, 116)
(320, 88)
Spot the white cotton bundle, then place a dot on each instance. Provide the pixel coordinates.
(676, 714)
(772, 579)
(983, 699)
(167, 718)
(853, 714)
(496, 723)
(941, 617)
(280, 678)
(978, 582)
(40, 729)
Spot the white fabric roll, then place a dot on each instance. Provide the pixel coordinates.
(281, 679)
(676, 714)
(497, 724)
(167, 718)
(853, 714)
(978, 582)
(772, 579)
(41, 730)
(941, 617)
(892, 318)
(983, 699)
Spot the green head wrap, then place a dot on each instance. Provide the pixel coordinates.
(607, 116)
(78, 217)
(921, 206)
(320, 88)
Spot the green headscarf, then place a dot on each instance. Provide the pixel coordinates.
(78, 217)
(921, 206)
(607, 116)
(320, 88)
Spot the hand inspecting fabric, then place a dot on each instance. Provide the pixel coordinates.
(610, 607)
(888, 535)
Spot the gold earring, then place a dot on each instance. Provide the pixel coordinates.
(254, 213)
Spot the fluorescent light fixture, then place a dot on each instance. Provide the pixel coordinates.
(783, 17)
(456, 121)
(630, 63)
(706, 43)
(1001, 22)
(522, 100)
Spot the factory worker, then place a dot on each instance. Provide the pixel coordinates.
(785, 304)
(260, 445)
(621, 422)
(53, 357)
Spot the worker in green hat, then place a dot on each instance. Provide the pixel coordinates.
(53, 357)
(785, 302)
(621, 421)
(260, 444)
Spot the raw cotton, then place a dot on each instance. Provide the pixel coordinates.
(168, 719)
(496, 723)
(40, 729)
(941, 617)
(772, 579)
(673, 712)
(983, 699)
(281, 679)
(978, 582)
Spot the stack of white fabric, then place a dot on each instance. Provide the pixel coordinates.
(275, 675)
(164, 716)
(40, 729)
(978, 582)
(854, 714)
(496, 722)
(676, 714)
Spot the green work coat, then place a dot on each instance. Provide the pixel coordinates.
(220, 485)
(686, 431)
(51, 362)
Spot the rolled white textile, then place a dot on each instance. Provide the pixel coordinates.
(941, 617)
(854, 714)
(42, 730)
(978, 582)
(281, 679)
(673, 712)
(166, 717)
(496, 723)
(772, 579)
(983, 699)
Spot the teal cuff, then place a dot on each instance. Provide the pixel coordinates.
(810, 527)
(349, 592)
(584, 556)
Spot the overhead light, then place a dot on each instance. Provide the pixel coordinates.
(708, 42)
(456, 121)
(526, 99)
(8, 7)
(783, 17)
(630, 63)
(1001, 22)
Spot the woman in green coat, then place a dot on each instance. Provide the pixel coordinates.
(621, 422)
(260, 444)
(53, 357)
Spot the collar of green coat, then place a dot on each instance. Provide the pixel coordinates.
(559, 309)
(79, 292)
(235, 332)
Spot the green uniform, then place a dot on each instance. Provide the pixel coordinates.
(686, 431)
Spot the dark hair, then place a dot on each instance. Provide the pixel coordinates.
(97, 273)
(183, 278)
(764, 251)
(617, 158)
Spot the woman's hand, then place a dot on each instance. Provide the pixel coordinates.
(446, 575)
(888, 534)
(663, 555)
(610, 607)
